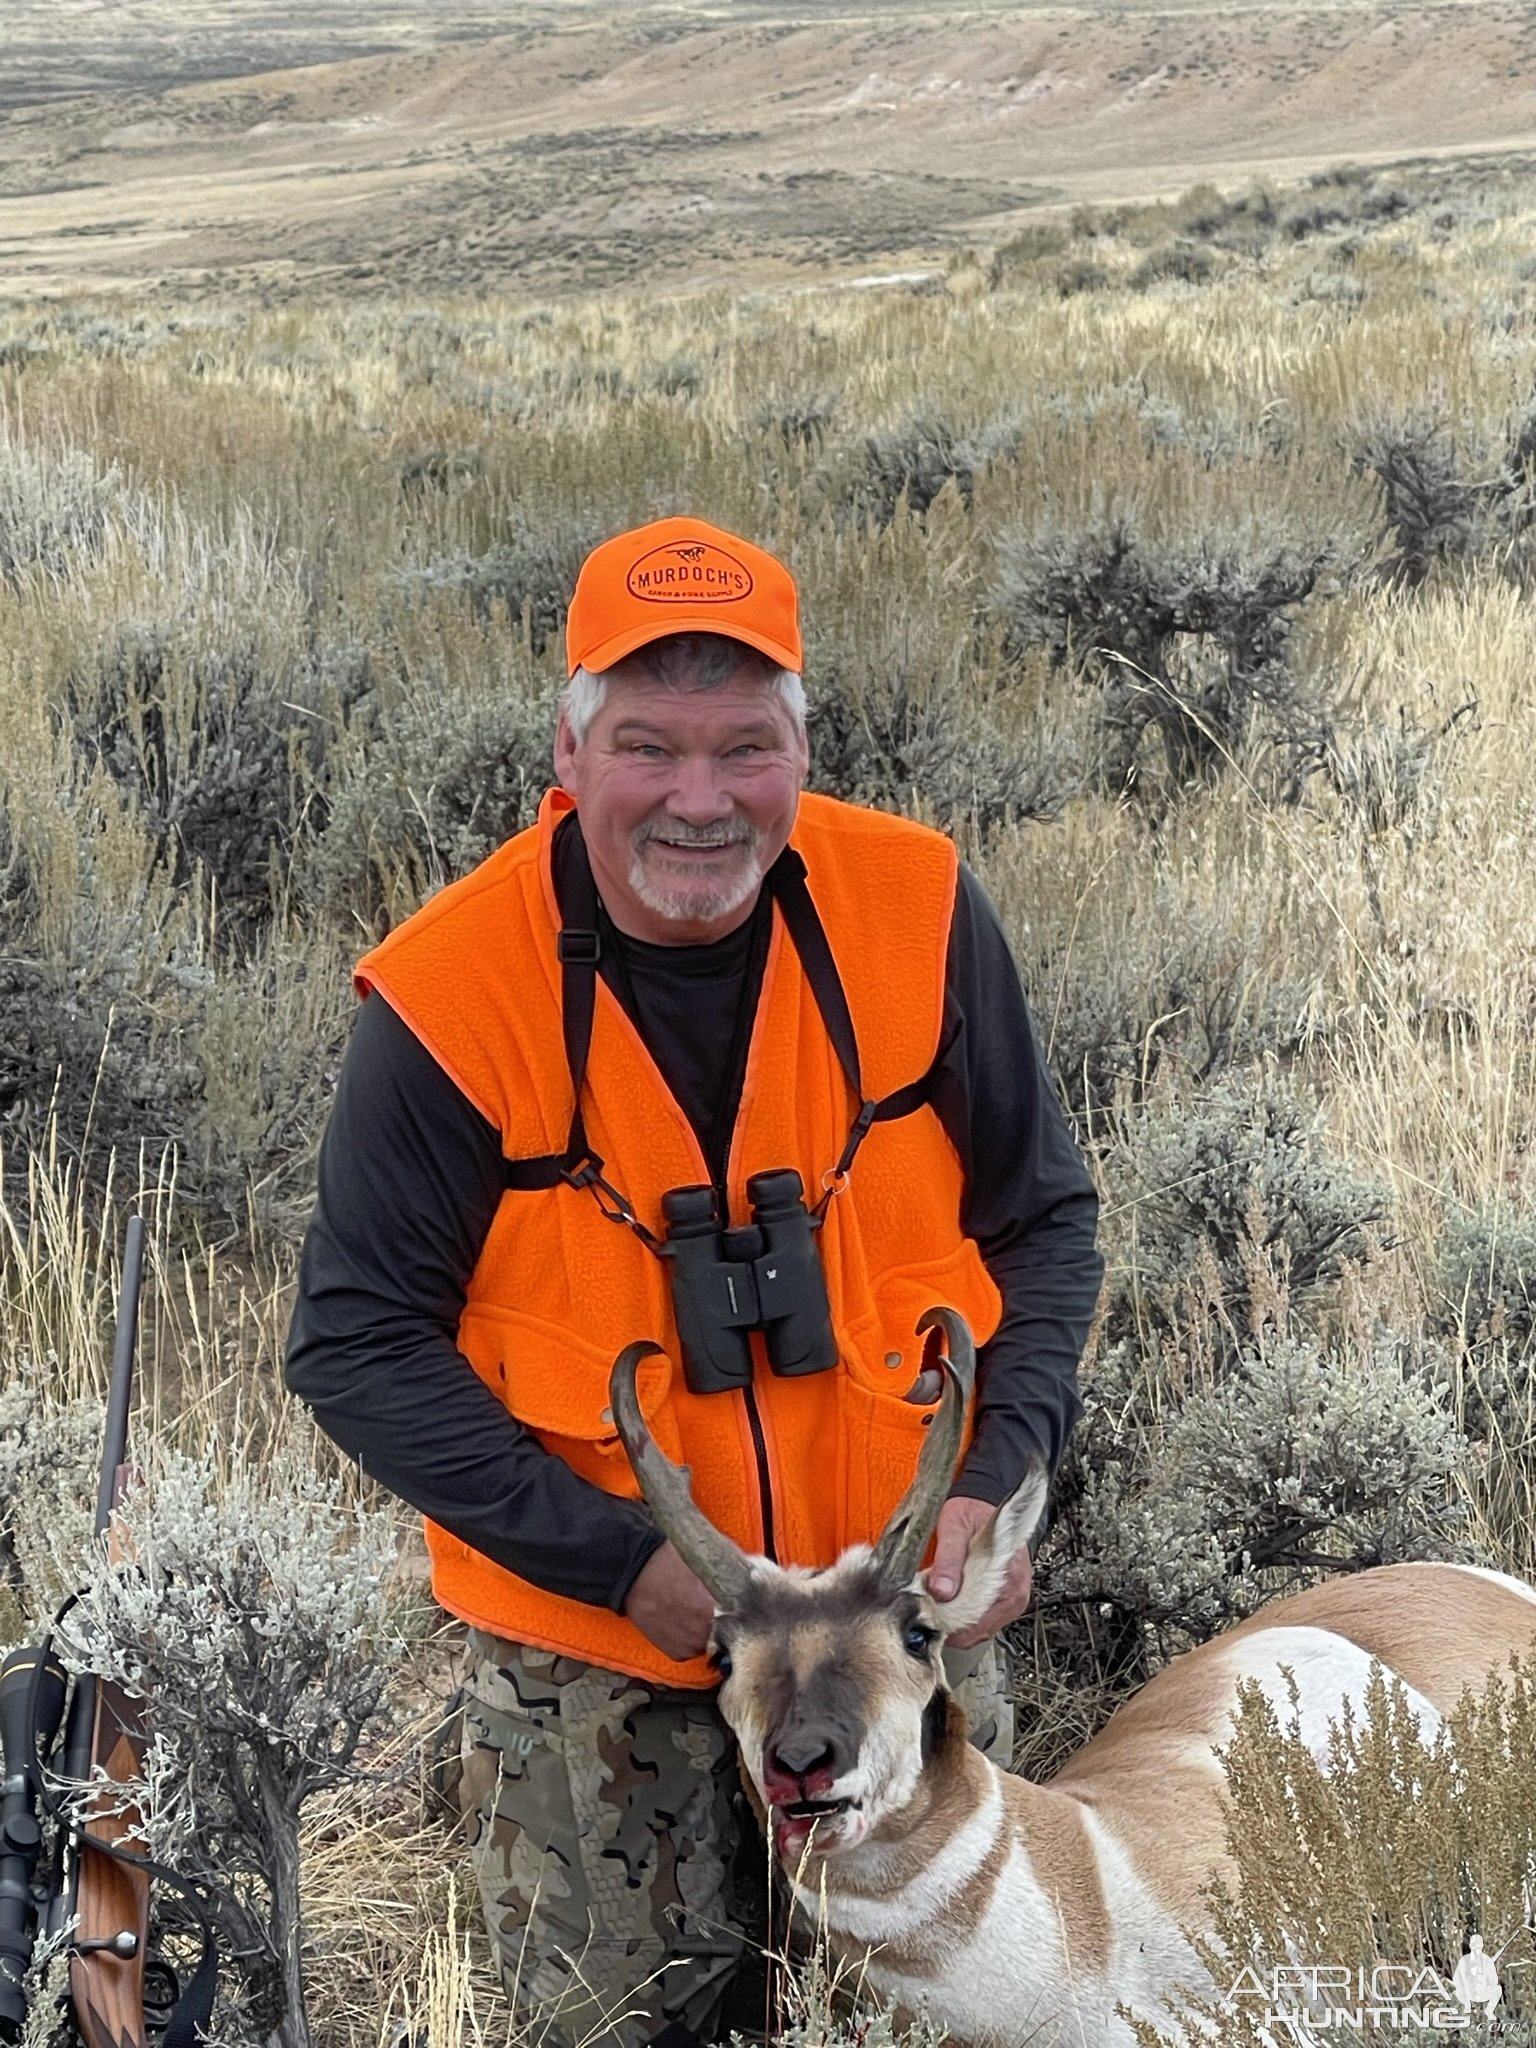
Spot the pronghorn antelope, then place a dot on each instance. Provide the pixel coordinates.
(1015, 1912)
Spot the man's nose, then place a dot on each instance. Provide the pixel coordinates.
(699, 794)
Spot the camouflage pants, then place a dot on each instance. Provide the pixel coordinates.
(614, 1853)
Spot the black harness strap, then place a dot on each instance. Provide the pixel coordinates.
(786, 879)
(579, 953)
(579, 947)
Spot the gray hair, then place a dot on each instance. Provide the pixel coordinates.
(682, 661)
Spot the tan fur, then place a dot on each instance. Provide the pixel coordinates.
(1052, 1832)
(1150, 1762)
(1152, 1780)
(811, 1645)
(1049, 1907)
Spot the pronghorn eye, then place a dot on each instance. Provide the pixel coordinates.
(918, 1641)
(721, 1659)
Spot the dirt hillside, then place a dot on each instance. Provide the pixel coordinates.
(279, 149)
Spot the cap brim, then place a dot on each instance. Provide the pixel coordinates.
(703, 619)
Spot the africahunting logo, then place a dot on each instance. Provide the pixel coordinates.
(689, 572)
(1301, 2000)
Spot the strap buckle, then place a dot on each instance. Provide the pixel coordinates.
(589, 1174)
(856, 1136)
(576, 948)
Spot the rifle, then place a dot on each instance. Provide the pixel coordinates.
(94, 1889)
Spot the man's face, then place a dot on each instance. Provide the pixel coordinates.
(687, 798)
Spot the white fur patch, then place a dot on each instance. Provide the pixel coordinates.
(913, 1905)
(1329, 1672)
(890, 1762)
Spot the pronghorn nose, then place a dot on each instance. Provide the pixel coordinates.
(798, 1754)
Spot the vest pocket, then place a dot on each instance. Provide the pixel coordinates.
(884, 1349)
(556, 1384)
(884, 1353)
(885, 1438)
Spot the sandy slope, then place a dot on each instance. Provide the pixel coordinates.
(584, 147)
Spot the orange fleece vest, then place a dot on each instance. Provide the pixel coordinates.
(559, 1290)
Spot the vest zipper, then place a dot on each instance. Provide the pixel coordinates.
(764, 1489)
(754, 1413)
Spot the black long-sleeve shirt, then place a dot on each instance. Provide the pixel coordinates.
(411, 1175)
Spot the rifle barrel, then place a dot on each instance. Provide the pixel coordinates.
(80, 1722)
(120, 1388)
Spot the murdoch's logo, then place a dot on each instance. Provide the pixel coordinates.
(689, 572)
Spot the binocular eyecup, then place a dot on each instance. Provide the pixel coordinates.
(32, 1690)
(728, 1281)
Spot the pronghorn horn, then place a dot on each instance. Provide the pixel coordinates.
(712, 1556)
(900, 1550)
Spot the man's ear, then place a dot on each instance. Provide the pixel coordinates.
(993, 1549)
(565, 753)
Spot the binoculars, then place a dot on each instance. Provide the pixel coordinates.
(765, 1276)
(32, 1689)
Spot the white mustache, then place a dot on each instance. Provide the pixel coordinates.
(686, 835)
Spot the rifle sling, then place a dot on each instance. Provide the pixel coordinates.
(189, 2016)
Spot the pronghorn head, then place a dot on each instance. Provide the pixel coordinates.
(832, 1680)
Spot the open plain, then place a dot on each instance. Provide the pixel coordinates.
(477, 147)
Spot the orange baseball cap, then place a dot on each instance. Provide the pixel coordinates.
(680, 576)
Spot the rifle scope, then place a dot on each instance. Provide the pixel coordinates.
(32, 1688)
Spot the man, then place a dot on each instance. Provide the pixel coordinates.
(684, 976)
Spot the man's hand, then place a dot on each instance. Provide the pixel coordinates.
(670, 1606)
(960, 1520)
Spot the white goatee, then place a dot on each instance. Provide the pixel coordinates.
(690, 898)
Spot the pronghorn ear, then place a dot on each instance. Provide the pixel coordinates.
(993, 1549)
